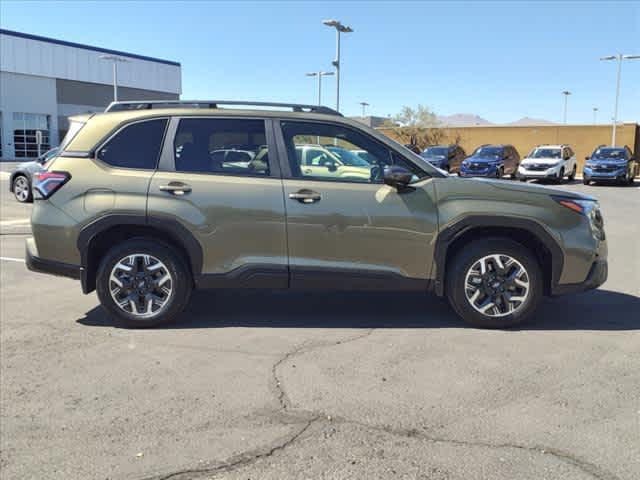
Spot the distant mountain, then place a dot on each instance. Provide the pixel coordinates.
(469, 120)
(531, 121)
(463, 120)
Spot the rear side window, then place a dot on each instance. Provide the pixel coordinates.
(222, 146)
(135, 146)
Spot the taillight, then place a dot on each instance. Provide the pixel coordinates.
(46, 184)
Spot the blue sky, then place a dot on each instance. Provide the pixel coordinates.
(500, 60)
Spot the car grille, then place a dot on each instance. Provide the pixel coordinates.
(606, 168)
(537, 167)
(477, 166)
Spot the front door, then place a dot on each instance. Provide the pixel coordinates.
(354, 232)
(219, 179)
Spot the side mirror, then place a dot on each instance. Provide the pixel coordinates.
(586, 158)
(397, 177)
(332, 167)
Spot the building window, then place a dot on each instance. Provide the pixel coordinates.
(25, 126)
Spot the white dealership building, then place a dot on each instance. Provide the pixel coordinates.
(43, 81)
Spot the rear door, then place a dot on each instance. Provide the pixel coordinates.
(234, 209)
(354, 233)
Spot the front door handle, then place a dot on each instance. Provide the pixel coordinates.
(176, 188)
(305, 196)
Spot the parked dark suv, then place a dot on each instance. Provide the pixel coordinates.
(141, 206)
(446, 157)
(611, 164)
(491, 161)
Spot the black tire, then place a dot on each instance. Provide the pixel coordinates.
(21, 182)
(572, 176)
(560, 177)
(585, 181)
(500, 172)
(459, 265)
(181, 278)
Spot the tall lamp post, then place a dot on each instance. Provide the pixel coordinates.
(566, 94)
(620, 57)
(364, 105)
(115, 59)
(340, 28)
(595, 115)
(319, 75)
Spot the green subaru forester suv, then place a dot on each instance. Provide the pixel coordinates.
(150, 200)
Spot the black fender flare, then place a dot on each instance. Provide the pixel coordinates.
(459, 227)
(171, 227)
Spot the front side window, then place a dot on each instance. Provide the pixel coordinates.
(223, 146)
(135, 146)
(334, 153)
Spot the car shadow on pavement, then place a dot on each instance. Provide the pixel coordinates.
(596, 310)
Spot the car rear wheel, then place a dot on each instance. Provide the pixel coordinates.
(22, 189)
(494, 283)
(586, 181)
(143, 283)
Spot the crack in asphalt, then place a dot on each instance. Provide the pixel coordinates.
(594, 470)
(308, 418)
(239, 460)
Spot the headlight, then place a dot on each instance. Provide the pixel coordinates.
(588, 208)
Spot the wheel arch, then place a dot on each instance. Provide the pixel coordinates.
(97, 237)
(527, 232)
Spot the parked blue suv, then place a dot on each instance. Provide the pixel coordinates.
(491, 161)
(445, 157)
(609, 164)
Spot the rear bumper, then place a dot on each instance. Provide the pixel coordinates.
(41, 265)
(596, 277)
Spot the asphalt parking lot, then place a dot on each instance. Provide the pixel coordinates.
(311, 386)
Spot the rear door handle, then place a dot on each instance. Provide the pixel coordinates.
(305, 196)
(176, 188)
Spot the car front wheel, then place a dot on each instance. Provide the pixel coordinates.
(143, 283)
(22, 189)
(494, 283)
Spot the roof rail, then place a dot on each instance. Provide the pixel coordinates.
(151, 104)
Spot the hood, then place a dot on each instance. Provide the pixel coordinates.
(548, 160)
(483, 159)
(532, 188)
(608, 161)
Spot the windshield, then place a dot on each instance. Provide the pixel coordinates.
(348, 158)
(488, 152)
(435, 152)
(609, 153)
(545, 153)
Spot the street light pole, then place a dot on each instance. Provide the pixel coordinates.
(566, 94)
(115, 59)
(595, 115)
(340, 28)
(364, 105)
(619, 57)
(319, 74)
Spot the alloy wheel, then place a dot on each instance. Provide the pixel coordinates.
(141, 285)
(21, 188)
(497, 285)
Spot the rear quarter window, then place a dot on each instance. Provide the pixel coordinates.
(135, 146)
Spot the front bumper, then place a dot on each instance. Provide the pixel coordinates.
(596, 175)
(486, 172)
(551, 172)
(41, 265)
(596, 277)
